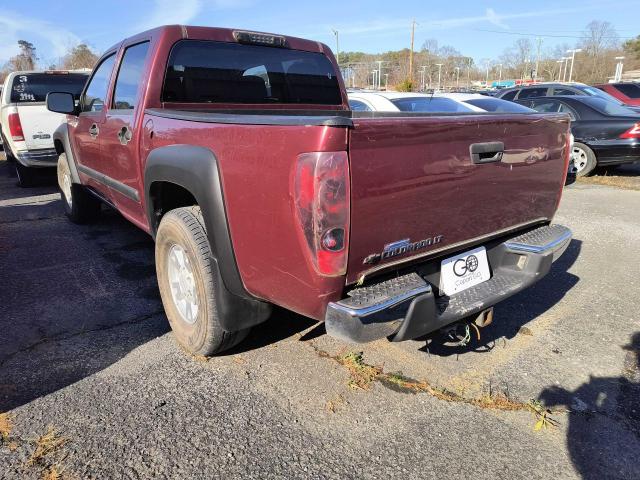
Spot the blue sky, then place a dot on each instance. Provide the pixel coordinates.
(476, 28)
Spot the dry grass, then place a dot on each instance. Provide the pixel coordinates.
(335, 403)
(362, 376)
(54, 472)
(5, 427)
(627, 183)
(46, 445)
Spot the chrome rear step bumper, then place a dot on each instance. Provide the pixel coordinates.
(407, 306)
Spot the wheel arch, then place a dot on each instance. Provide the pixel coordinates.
(194, 169)
(63, 145)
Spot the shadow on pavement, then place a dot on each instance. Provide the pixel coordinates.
(603, 435)
(514, 313)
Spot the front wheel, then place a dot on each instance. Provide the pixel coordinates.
(186, 282)
(79, 205)
(584, 160)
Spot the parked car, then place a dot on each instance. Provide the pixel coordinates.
(555, 89)
(627, 92)
(605, 133)
(261, 187)
(27, 125)
(488, 104)
(360, 101)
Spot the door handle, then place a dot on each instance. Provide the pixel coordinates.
(94, 131)
(124, 135)
(486, 152)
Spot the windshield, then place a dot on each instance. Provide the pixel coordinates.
(429, 104)
(33, 87)
(497, 105)
(608, 108)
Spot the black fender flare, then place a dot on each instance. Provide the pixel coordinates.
(61, 134)
(195, 169)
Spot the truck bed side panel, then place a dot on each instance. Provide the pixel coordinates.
(256, 164)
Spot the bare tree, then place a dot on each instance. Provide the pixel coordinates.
(78, 57)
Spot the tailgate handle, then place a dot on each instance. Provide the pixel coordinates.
(486, 152)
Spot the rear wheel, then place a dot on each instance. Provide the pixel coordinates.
(79, 205)
(584, 160)
(186, 282)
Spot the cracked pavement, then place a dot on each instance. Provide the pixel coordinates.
(85, 347)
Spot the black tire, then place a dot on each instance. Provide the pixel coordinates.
(26, 175)
(79, 205)
(184, 230)
(584, 159)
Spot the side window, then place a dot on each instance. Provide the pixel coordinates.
(509, 95)
(125, 96)
(96, 92)
(532, 92)
(546, 106)
(566, 109)
(563, 91)
(358, 106)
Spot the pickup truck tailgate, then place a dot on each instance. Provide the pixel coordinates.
(38, 125)
(413, 178)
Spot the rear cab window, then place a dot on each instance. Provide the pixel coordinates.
(204, 71)
(358, 106)
(509, 95)
(33, 87)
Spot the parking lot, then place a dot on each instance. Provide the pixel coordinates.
(85, 348)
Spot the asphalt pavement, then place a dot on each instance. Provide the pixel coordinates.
(85, 349)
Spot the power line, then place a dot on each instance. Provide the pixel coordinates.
(548, 35)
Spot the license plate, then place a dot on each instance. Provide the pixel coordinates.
(464, 271)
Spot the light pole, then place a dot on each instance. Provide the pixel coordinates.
(457, 77)
(335, 32)
(379, 62)
(500, 73)
(560, 62)
(486, 82)
(423, 72)
(566, 63)
(469, 74)
(439, 65)
(373, 82)
(618, 76)
(573, 57)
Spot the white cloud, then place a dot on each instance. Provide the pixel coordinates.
(183, 12)
(14, 27)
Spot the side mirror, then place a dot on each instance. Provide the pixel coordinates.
(61, 102)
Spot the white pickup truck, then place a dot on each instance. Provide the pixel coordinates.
(26, 125)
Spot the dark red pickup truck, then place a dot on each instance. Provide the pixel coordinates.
(238, 153)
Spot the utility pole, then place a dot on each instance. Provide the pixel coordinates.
(335, 32)
(413, 31)
(535, 78)
(573, 57)
(439, 65)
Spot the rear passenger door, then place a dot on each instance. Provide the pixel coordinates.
(120, 135)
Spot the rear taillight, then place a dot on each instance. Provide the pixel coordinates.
(633, 132)
(321, 190)
(15, 127)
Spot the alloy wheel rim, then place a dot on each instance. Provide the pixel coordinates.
(182, 284)
(580, 159)
(66, 188)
